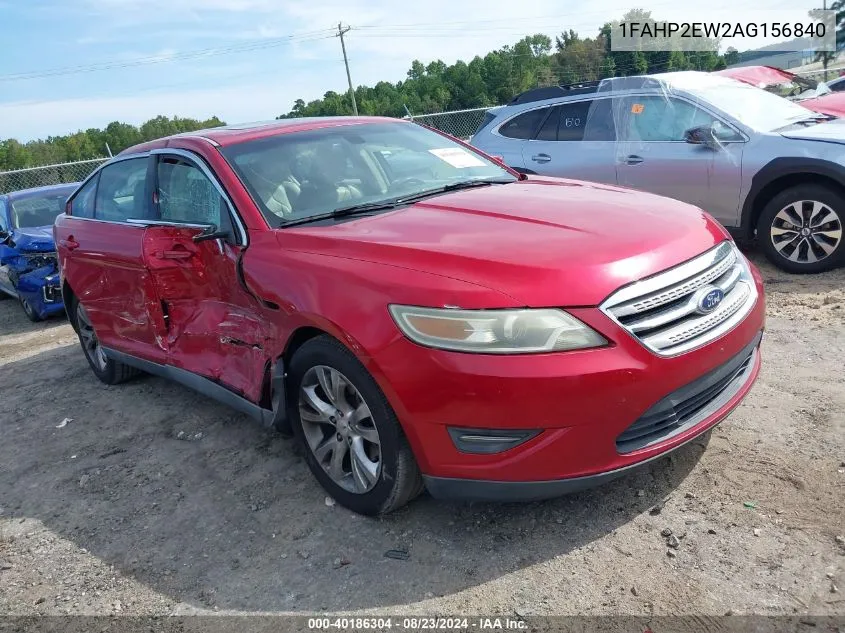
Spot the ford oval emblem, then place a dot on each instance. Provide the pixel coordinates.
(708, 299)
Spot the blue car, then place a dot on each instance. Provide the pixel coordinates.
(28, 266)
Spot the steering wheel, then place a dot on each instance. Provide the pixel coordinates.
(410, 180)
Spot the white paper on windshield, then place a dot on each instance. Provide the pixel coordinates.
(457, 157)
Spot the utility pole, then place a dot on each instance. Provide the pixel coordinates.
(340, 32)
(824, 53)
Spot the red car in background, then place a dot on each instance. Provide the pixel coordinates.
(811, 94)
(413, 312)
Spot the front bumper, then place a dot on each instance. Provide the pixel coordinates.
(42, 290)
(736, 377)
(581, 401)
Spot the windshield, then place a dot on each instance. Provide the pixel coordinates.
(35, 211)
(756, 108)
(299, 175)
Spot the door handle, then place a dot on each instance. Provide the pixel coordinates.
(541, 158)
(174, 254)
(633, 159)
(69, 243)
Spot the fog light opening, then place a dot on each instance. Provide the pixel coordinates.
(489, 441)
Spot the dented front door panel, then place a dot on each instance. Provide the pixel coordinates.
(210, 325)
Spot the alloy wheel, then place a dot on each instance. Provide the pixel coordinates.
(90, 343)
(806, 231)
(339, 429)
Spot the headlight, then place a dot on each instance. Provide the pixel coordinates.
(495, 331)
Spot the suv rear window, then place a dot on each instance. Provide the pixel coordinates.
(488, 118)
(524, 125)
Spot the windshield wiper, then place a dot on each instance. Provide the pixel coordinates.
(343, 212)
(455, 186)
(814, 119)
(385, 205)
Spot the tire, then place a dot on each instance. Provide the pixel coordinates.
(816, 245)
(109, 371)
(30, 313)
(346, 431)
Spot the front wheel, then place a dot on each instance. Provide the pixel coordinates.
(353, 442)
(800, 229)
(29, 311)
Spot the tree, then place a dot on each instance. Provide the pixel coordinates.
(825, 57)
(731, 56)
(91, 143)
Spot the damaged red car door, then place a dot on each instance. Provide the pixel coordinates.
(209, 324)
(99, 244)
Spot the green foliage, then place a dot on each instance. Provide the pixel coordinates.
(500, 75)
(91, 143)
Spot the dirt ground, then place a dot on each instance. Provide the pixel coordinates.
(154, 500)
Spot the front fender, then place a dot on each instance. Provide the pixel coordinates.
(784, 169)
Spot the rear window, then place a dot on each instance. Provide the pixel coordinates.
(487, 120)
(523, 125)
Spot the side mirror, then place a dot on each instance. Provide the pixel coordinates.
(4, 236)
(702, 135)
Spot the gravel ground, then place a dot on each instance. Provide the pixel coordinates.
(152, 500)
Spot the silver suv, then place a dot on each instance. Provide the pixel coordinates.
(758, 163)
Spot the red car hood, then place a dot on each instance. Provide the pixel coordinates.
(542, 241)
(833, 104)
(760, 76)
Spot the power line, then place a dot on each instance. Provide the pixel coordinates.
(159, 59)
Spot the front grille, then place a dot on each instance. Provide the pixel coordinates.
(690, 405)
(664, 312)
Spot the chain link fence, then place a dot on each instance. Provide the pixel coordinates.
(461, 124)
(47, 175)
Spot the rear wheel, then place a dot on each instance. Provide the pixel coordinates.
(28, 310)
(106, 369)
(353, 442)
(800, 229)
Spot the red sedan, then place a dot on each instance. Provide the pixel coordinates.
(413, 312)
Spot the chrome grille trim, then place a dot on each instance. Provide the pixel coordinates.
(661, 311)
(713, 269)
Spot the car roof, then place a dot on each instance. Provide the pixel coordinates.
(241, 132)
(678, 80)
(40, 191)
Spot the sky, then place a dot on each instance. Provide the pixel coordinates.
(67, 65)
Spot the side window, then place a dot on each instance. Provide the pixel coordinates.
(3, 225)
(655, 118)
(185, 194)
(548, 131)
(600, 125)
(579, 121)
(83, 204)
(523, 125)
(121, 191)
(573, 119)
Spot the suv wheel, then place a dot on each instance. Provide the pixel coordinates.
(800, 229)
(30, 313)
(353, 442)
(106, 369)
